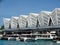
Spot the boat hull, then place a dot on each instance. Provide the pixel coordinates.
(44, 40)
(30, 40)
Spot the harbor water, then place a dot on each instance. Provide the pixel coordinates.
(5, 42)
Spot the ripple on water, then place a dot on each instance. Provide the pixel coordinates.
(5, 42)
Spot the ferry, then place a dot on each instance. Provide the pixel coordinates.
(12, 37)
(27, 37)
(1, 36)
(36, 37)
(46, 37)
(58, 41)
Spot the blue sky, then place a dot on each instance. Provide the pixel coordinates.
(10, 8)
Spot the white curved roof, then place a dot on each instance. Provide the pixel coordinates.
(57, 9)
(34, 14)
(15, 17)
(47, 12)
(24, 16)
(6, 19)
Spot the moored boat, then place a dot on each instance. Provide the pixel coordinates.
(58, 41)
(36, 37)
(46, 37)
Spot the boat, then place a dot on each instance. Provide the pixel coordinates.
(17, 39)
(46, 37)
(1, 36)
(11, 38)
(27, 37)
(58, 41)
(36, 37)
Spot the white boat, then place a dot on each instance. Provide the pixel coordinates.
(44, 37)
(11, 38)
(17, 39)
(37, 37)
(27, 39)
(1, 36)
(58, 41)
